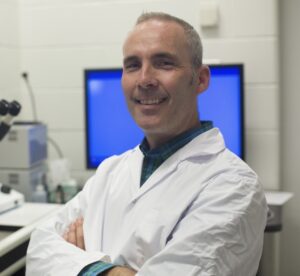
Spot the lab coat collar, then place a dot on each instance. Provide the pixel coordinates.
(208, 143)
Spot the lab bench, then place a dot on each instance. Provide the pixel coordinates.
(16, 227)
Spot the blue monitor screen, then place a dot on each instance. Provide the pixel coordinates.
(110, 129)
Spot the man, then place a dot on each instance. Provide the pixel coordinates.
(178, 204)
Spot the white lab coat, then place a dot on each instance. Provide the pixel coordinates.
(202, 212)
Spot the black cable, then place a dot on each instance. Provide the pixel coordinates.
(32, 98)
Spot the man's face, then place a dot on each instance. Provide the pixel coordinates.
(158, 80)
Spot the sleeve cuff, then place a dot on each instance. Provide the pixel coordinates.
(95, 268)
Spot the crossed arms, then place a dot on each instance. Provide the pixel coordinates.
(74, 235)
(206, 241)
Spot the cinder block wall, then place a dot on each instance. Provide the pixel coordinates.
(9, 50)
(290, 133)
(60, 38)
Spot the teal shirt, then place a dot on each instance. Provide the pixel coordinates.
(153, 158)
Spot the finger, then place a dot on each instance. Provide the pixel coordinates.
(79, 233)
(72, 234)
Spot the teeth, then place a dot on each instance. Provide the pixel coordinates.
(150, 101)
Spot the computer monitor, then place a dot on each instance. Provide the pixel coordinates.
(110, 129)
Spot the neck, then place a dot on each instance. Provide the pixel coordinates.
(155, 140)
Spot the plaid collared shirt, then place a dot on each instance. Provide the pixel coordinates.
(153, 158)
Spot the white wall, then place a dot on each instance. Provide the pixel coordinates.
(290, 133)
(61, 38)
(9, 50)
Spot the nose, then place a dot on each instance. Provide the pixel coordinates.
(147, 78)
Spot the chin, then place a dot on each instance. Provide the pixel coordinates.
(149, 124)
(149, 128)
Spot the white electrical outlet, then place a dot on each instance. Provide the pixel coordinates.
(209, 14)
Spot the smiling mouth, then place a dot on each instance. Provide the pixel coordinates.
(150, 101)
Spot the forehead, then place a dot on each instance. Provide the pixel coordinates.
(155, 35)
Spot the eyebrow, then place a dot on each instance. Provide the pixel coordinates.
(165, 55)
(155, 56)
(129, 59)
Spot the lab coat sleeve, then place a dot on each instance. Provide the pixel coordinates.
(220, 234)
(49, 254)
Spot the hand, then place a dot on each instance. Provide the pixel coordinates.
(120, 271)
(74, 234)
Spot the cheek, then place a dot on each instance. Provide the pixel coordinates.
(128, 87)
(124, 84)
(176, 81)
(176, 89)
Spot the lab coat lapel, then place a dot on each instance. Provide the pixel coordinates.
(135, 162)
(208, 143)
(156, 178)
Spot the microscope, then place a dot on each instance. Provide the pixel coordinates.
(8, 110)
(9, 198)
(23, 151)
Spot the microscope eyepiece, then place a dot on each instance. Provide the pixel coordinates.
(4, 107)
(14, 108)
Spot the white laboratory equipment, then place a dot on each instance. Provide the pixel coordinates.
(39, 194)
(9, 199)
(23, 154)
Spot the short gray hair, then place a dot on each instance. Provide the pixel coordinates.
(192, 37)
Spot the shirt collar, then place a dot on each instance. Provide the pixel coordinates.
(170, 147)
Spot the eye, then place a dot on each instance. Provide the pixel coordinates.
(165, 64)
(131, 66)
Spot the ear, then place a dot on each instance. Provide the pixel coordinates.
(203, 78)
